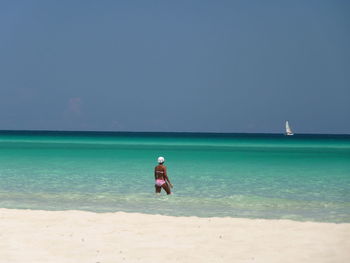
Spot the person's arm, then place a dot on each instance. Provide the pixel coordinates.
(166, 177)
(155, 173)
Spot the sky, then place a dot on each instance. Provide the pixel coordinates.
(175, 66)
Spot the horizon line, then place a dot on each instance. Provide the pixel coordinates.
(158, 132)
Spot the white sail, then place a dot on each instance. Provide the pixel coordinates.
(288, 129)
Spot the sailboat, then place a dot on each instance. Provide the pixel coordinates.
(288, 129)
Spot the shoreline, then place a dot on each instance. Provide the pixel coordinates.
(180, 215)
(81, 236)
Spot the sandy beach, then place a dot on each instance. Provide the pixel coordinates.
(78, 236)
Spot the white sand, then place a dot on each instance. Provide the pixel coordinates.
(76, 236)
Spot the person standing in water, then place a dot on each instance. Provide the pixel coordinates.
(161, 177)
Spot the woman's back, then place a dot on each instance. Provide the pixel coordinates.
(160, 172)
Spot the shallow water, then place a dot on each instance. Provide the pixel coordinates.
(303, 177)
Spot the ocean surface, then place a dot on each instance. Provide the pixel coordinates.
(300, 177)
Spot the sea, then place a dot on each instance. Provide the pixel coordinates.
(304, 177)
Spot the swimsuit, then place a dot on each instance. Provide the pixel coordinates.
(160, 182)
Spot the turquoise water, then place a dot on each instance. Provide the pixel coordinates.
(304, 177)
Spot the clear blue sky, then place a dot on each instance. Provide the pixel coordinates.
(199, 66)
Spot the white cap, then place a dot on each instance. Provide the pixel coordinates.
(161, 159)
